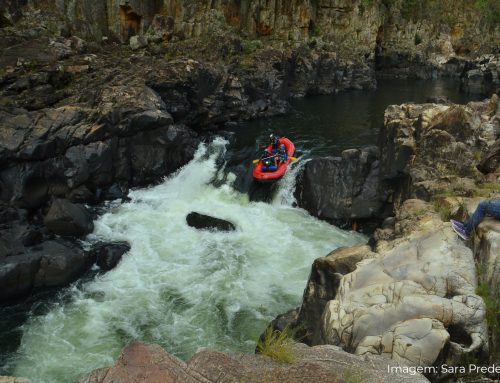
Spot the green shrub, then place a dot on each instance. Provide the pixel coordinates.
(489, 10)
(412, 9)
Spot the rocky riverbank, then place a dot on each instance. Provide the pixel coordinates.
(417, 294)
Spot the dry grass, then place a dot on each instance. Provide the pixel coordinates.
(278, 345)
(487, 189)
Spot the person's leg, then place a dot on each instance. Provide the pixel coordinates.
(494, 208)
(488, 207)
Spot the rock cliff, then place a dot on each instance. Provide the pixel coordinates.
(418, 294)
(403, 38)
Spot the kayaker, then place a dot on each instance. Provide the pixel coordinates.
(282, 155)
(275, 142)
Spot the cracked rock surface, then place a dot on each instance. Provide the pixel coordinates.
(412, 300)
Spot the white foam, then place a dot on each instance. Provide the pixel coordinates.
(180, 287)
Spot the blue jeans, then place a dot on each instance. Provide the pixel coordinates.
(489, 207)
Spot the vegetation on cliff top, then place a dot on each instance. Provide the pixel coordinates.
(277, 345)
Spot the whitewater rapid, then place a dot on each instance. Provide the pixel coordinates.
(178, 286)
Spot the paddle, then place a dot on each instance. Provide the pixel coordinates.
(292, 158)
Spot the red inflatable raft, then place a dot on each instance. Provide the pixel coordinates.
(262, 176)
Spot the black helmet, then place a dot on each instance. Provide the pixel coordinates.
(271, 136)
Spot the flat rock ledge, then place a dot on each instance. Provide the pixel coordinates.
(142, 362)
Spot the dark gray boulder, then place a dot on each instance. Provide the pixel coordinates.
(201, 221)
(61, 262)
(17, 276)
(16, 232)
(68, 219)
(53, 263)
(16, 236)
(341, 189)
(108, 255)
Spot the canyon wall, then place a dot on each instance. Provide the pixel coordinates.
(394, 30)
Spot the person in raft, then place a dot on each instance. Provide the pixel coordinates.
(268, 162)
(489, 207)
(275, 142)
(282, 156)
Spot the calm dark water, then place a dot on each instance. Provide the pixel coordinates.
(327, 125)
(319, 126)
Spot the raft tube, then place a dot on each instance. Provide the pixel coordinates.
(262, 176)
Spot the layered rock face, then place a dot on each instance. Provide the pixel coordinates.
(436, 149)
(405, 39)
(72, 151)
(392, 25)
(140, 362)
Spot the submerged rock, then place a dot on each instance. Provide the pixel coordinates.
(145, 363)
(201, 221)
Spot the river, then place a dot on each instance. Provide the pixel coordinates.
(184, 288)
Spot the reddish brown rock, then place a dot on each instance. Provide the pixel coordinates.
(141, 363)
